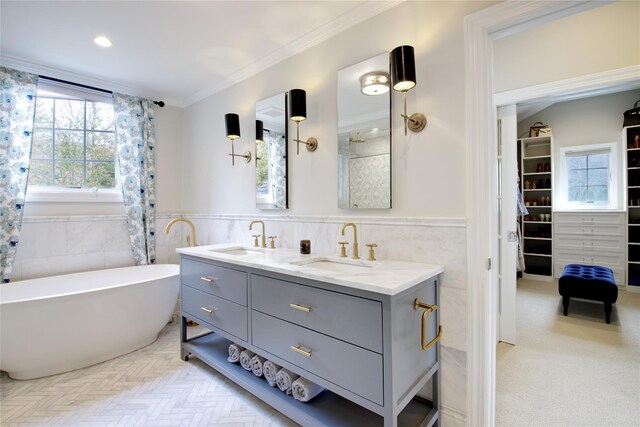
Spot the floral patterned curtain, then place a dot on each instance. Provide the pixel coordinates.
(135, 144)
(18, 92)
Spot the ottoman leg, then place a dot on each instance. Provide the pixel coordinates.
(607, 312)
(565, 305)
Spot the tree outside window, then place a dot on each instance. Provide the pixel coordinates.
(73, 144)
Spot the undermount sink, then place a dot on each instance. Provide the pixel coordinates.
(238, 250)
(334, 264)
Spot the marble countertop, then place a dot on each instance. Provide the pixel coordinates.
(388, 277)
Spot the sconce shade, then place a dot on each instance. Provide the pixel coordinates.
(403, 68)
(232, 121)
(374, 83)
(259, 130)
(297, 105)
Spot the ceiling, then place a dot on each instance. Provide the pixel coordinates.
(176, 51)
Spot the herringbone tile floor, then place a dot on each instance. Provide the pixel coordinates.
(149, 387)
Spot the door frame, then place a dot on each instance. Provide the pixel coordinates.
(481, 29)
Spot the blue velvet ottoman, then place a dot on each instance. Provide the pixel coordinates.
(588, 282)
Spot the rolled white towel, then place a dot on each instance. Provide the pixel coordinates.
(284, 380)
(256, 365)
(270, 371)
(245, 359)
(305, 390)
(234, 353)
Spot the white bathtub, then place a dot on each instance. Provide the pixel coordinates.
(60, 323)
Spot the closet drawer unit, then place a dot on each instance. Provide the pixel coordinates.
(353, 368)
(586, 245)
(215, 311)
(589, 230)
(619, 273)
(613, 218)
(595, 258)
(220, 281)
(321, 310)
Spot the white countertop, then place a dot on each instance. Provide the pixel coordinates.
(388, 277)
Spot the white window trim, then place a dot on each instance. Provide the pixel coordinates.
(561, 197)
(43, 194)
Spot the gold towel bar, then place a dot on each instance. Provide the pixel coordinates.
(428, 309)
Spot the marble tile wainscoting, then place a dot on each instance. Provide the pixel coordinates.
(51, 245)
(67, 244)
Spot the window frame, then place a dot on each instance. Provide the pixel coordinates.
(59, 194)
(562, 192)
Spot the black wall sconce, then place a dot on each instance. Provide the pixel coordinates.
(259, 131)
(298, 113)
(232, 123)
(403, 78)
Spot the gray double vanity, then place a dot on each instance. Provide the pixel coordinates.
(366, 331)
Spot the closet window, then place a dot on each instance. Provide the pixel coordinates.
(587, 177)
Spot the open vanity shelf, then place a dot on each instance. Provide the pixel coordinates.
(326, 409)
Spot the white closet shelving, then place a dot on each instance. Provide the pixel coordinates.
(536, 181)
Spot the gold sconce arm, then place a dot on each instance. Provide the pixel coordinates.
(246, 155)
(417, 304)
(311, 143)
(415, 122)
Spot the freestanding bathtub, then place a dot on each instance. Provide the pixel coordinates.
(60, 323)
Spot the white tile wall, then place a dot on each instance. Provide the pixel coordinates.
(58, 245)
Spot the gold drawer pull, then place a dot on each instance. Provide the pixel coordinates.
(208, 309)
(300, 307)
(423, 338)
(209, 279)
(297, 349)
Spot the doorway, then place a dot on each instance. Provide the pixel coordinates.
(481, 29)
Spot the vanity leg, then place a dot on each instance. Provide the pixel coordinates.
(390, 421)
(184, 355)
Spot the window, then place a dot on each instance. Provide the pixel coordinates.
(73, 150)
(587, 177)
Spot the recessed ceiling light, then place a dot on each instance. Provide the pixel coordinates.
(102, 41)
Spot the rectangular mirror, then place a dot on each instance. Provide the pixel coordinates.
(271, 153)
(364, 135)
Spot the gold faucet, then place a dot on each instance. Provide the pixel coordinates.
(355, 238)
(264, 235)
(191, 242)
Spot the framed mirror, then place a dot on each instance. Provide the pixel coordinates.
(364, 135)
(271, 153)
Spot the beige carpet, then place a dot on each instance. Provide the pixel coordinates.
(570, 371)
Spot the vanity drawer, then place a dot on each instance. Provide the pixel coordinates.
(346, 365)
(226, 315)
(221, 281)
(329, 312)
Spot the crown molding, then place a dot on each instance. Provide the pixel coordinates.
(359, 14)
(58, 73)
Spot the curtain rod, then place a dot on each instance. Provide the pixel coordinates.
(158, 103)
